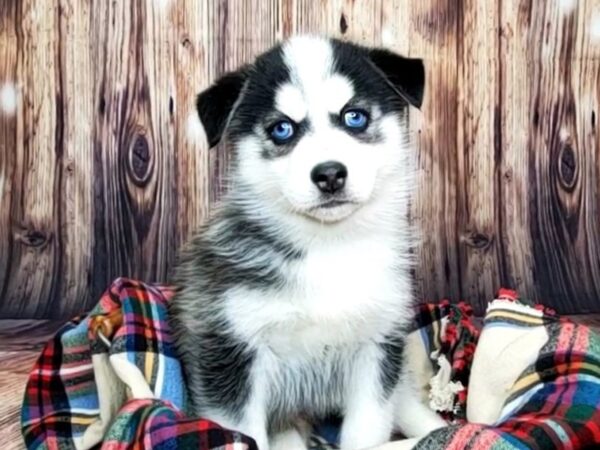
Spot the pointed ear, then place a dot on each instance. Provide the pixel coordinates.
(406, 75)
(214, 105)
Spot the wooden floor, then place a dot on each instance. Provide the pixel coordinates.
(20, 345)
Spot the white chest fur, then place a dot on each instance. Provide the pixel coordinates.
(339, 293)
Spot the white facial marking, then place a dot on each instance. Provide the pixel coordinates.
(337, 91)
(330, 94)
(310, 60)
(290, 101)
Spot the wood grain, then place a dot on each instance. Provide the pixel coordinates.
(75, 165)
(8, 138)
(133, 142)
(550, 147)
(104, 171)
(193, 70)
(434, 37)
(478, 151)
(33, 252)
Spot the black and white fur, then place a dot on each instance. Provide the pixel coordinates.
(291, 307)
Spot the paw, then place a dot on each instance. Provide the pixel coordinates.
(414, 418)
(366, 435)
(420, 423)
(367, 426)
(288, 440)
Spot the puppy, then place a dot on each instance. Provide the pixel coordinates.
(293, 301)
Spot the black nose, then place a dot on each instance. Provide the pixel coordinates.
(329, 176)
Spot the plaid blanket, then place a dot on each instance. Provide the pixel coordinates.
(127, 393)
(528, 379)
(535, 384)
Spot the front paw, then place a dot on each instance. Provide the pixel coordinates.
(419, 421)
(367, 432)
(288, 440)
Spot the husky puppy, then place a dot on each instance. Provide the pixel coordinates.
(294, 299)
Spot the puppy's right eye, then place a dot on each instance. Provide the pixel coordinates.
(282, 131)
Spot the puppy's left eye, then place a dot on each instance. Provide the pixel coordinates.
(355, 119)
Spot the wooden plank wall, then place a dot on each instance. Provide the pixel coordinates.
(104, 172)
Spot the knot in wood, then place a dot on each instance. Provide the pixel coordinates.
(477, 240)
(343, 24)
(186, 43)
(140, 160)
(33, 238)
(567, 167)
(69, 166)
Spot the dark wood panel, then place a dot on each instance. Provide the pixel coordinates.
(549, 175)
(134, 155)
(478, 151)
(8, 136)
(31, 231)
(434, 36)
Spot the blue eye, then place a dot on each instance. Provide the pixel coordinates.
(282, 131)
(356, 119)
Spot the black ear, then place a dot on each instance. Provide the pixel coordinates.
(406, 75)
(216, 102)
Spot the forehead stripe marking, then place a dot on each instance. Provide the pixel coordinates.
(314, 90)
(290, 101)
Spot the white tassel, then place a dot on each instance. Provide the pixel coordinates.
(443, 391)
